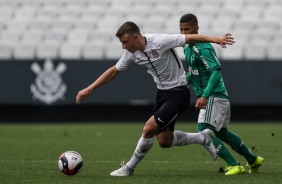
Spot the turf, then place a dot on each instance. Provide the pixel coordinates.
(29, 154)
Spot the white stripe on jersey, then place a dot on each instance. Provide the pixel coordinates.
(159, 60)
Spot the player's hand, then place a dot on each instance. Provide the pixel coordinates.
(227, 40)
(201, 103)
(82, 95)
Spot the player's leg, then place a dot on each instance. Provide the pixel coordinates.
(215, 116)
(144, 144)
(173, 104)
(221, 150)
(236, 143)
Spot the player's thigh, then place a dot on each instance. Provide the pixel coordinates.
(169, 105)
(217, 113)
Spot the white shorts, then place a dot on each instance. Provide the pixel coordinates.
(217, 113)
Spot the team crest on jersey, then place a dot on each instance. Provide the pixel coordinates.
(154, 53)
(48, 86)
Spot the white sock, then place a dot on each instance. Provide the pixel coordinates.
(142, 148)
(183, 138)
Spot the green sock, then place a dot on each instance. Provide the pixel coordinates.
(237, 144)
(221, 150)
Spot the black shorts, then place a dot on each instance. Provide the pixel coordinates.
(169, 105)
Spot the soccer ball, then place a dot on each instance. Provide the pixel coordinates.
(70, 162)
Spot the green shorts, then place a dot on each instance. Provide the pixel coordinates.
(217, 113)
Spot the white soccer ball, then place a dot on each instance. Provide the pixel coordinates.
(70, 162)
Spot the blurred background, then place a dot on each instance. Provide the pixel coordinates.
(51, 49)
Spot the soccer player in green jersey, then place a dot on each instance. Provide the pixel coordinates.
(204, 74)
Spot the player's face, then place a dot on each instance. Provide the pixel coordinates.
(129, 42)
(188, 28)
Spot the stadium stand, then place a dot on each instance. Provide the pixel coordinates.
(70, 29)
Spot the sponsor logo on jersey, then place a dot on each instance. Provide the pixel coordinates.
(48, 86)
(192, 72)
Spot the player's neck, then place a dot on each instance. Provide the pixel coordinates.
(143, 42)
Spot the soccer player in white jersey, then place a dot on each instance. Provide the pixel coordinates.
(156, 52)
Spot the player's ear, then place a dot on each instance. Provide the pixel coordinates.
(135, 37)
(197, 27)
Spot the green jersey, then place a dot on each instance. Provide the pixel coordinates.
(202, 63)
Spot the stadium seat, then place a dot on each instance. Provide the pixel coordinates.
(78, 35)
(222, 24)
(111, 23)
(50, 11)
(234, 52)
(153, 25)
(24, 51)
(136, 19)
(6, 51)
(93, 50)
(32, 36)
(180, 3)
(70, 51)
(126, 3)
(12, 37)
(161, 11)
(6, 12)
(100, 35)
(87, 22)
(42, 23)
(255, 50)
(118, 10)
(56, 35)
(25, 11)
(72, 11)
(99, 3)
(48, 50)
(274, 52)
(140, 10)
(94, 11)
(113, 50)
(63, 22)
(241, 35)
(229, 11)
(147, 3)
(262, 34)
(206, 11)
(215, 3)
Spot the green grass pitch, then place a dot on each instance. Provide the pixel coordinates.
(29, 154)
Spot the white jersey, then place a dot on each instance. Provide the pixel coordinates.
(160, 60)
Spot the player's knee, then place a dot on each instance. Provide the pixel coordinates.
(148, 132)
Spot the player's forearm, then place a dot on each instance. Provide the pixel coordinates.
(198, 38)
(107, 76)
(213, 81)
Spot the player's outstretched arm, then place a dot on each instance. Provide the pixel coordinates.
(107, 76)
(197, 38)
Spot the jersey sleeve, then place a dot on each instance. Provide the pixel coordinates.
(208, 57)
(213, 81)
(126, 60)
(168, 41)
